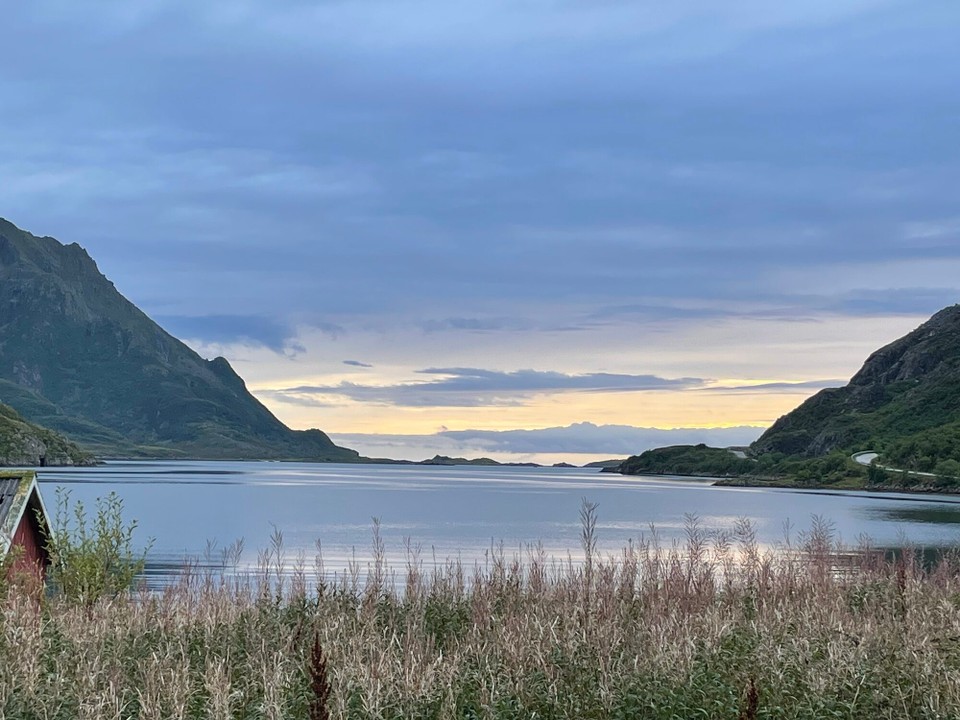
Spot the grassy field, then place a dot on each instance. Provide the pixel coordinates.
(715, 628)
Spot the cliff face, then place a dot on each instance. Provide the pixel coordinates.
(929, 353)
(910, 387)
(78, 357)
(23, 444)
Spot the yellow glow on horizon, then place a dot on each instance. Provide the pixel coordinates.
(653, 409)
(734, 354)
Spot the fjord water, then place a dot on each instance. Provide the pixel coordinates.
(462, 512)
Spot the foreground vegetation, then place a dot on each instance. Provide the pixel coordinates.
(716, 628)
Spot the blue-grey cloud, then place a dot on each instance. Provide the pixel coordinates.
(473, 387)
(461, 379)
(580, 438)
(892, 301)
(254, 330)
(784, 307)
(243, 329)
(276, 158)
(803, 387)
(474, 324)
(357, 363)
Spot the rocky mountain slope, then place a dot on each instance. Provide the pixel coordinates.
(904, 403)
(78, 357)
(23, 444)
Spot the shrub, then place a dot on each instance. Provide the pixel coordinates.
(948, 469)
(92, 558)
(876, 475)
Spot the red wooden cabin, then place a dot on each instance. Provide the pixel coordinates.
(23, 522)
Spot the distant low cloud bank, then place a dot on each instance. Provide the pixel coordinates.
(583, 438)
(802, 386)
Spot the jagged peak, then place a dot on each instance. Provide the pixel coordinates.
(916, 354)
(45, 253)
(224, 370)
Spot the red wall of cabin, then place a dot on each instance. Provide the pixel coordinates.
(27, 536)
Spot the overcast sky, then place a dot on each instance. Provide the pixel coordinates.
(405, 218)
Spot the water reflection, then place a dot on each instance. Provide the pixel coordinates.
(937, 514)
(463, 512)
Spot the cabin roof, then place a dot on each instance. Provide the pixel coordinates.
(17, 489)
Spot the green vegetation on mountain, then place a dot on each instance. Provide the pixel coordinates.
(696, 460)
(936, 450)
(23, 444)
(78, 357)
(904, 403)
(703, 461)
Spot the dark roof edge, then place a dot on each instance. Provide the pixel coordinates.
(26, 490)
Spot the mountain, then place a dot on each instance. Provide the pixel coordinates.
(78, 357)
(903, 403)
(23, 444)
(603, 464)
(692, 460)
(485, 461)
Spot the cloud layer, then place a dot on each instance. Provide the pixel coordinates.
(577, 439)
(471, 387)
(637, 195)
(444, 161)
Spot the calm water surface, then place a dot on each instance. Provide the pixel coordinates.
(459, 512)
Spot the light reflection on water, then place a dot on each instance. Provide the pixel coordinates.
(461, 512)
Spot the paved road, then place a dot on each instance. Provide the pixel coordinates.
(868, 457)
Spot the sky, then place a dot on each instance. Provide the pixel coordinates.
(536, 230)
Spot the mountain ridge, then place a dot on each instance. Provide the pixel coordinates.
(906, 388)
(76, 356)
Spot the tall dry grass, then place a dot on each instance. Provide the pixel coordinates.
(713, 628)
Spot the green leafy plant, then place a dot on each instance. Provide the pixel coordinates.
(93, 557)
